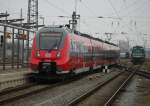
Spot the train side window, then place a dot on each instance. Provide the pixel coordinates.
(86, 49)
(94, 52)
(75, 46)
(72, 46)
(78, 46)
(82, 48)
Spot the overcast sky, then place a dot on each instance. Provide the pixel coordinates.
(134, 16)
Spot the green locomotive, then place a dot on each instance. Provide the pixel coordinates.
(138, 55)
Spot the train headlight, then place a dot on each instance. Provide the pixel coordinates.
(58, 55)
(37, 53)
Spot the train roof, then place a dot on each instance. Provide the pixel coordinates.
(138, 46)
(97, 39)
(67, 28)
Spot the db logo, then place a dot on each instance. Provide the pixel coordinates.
(47, 55)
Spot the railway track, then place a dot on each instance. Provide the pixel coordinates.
(143, 73)
(14, 89)
(16, 93)
(28, 90)
(93, 90)
(112, 98)
(22, 92)
(98, 87)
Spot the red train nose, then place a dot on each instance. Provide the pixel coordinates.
(53, 55)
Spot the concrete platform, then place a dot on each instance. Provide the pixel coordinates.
(13, 78)
(9, 67)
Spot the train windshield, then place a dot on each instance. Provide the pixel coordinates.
(138, 51)
(49, 41)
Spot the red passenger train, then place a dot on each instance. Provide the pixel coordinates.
(57, 50)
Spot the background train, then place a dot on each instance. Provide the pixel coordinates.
(56, 50)
(138, 55)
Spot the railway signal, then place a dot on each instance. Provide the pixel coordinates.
(74, 21)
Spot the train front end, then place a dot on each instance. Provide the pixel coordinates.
(138, 55)
(50, 51)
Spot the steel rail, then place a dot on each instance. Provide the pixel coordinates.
(14, 89)
(90, 92)
(38, 89)
(109, 102)
(21, 94)
(144, 74)
(11, 98)
(138, 72)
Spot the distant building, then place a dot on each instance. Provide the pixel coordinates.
(124, 46)
(8, 48)
(147, 53)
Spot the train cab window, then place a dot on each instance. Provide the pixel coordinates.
(49, 41)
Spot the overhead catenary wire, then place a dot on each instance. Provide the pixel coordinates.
(90, 10)
(138, 37)
(57, 7)
(137, 8)
(114, 9)
(86, 25)
(127, 7)
(131, 8)
(116, 13)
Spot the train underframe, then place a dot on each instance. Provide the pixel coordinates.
(137, 60)
(50, 70)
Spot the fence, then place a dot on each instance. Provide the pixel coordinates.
(15, 44)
